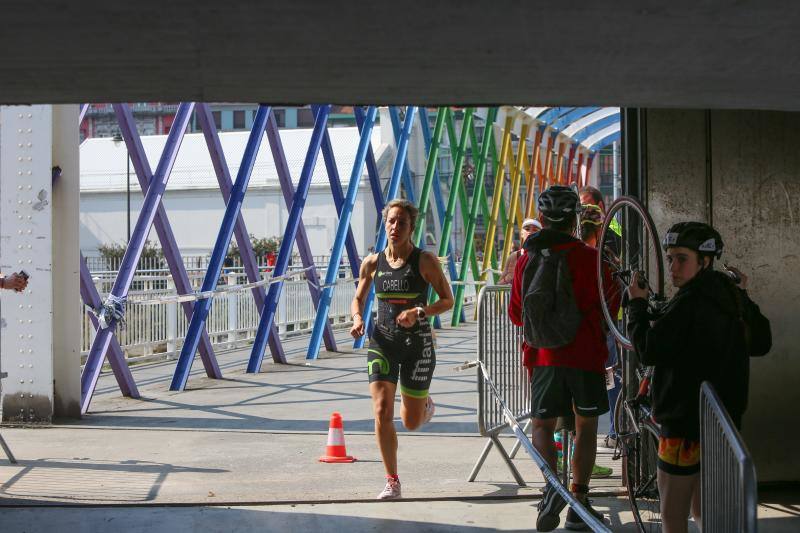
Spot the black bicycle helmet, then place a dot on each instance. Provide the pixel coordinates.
(696, 236)
(559, 202)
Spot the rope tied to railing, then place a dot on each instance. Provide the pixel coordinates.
(201, 295)
(111, 311)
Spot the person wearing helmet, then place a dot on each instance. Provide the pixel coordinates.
(568, 379)
(707, 332)
(529, 227)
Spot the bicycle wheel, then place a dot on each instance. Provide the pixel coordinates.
(628, 243)
(641, 468)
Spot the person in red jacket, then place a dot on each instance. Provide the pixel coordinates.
(568, 379)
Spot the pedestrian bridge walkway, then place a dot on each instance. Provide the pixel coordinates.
(241, 453)
(257, 437)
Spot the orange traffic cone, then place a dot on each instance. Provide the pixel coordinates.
(335, 451)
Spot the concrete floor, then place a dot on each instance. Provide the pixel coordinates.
(240, 454)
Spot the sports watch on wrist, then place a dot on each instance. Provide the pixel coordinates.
(420, 313)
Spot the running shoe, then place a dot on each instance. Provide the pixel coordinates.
(574, 521)
(430, 408)
(610, 441)
(599, 472)
(391, 491)
(550, 506)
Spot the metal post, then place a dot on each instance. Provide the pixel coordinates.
(497, 195)
(535, 173)
(391, 193)
(432, 144)
(215, 262)
(206, 121)
(408, 183)
(303, 245)
(128, 187)
(116, 357)
(480, 172)
(463, 203)
(338, 199)
(515, 180)
(169, 246)
(150, 206)
(293, 223)
(455, 186)
(342, 230)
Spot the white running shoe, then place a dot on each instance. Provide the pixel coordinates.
(430, 408)
(391, 491)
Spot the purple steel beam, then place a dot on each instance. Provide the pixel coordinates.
(372, 167)
(150, 208)
(163, 229)
(206, 121)
(338, 198)
(285, 178)
(90, 297)
(82, 113)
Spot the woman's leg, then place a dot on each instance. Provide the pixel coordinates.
(676, 494)
(383, 393)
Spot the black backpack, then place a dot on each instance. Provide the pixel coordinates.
(550, 314)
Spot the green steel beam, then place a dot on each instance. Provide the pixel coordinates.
(477, 194)
(454, 187)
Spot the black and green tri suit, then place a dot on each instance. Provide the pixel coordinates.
(394, 351)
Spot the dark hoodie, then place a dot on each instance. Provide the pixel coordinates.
(708, 331)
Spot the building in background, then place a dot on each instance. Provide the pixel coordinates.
(155, 118)
(193, 200)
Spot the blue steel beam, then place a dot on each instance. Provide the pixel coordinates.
(303, 245)
(338, 198)
(440, 207)
(372, 167)
(169, 245)
(553, 113)
(408, 183)
(224, 236)
(391, 193)
(605, 141)
(568, 118)
(292, 225)
(584, 133)
(341, 233)
(206, 121)
(150, 208)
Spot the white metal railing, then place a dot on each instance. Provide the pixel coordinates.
(154, 331)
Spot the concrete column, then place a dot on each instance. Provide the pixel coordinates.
(26, 342)
(739, 170)
(66, 263)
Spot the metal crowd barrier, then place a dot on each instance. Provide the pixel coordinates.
(499, 344)
(503, 392)
(728, 490)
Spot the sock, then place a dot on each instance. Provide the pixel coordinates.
(394, 477)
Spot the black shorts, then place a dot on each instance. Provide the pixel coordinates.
(555, 389)
(410, 363)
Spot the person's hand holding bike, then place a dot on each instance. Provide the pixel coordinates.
(638, 286)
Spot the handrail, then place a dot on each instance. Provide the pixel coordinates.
(729, 492)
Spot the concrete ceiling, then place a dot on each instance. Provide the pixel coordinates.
(696, 54)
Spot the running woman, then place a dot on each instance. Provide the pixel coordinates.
(401, 346)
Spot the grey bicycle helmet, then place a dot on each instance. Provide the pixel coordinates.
(558, 202)
(696, 236)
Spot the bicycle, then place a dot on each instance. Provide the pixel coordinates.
(629, 243)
